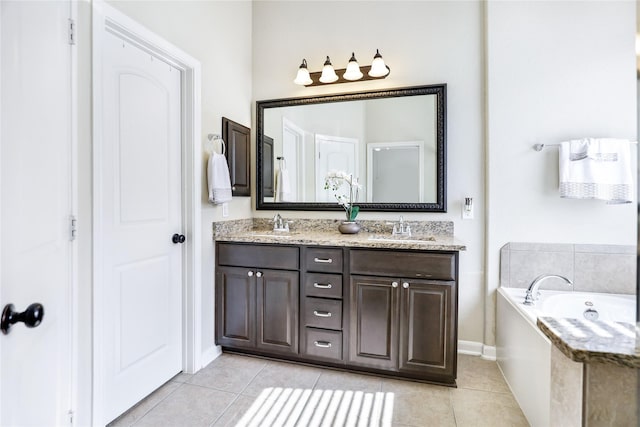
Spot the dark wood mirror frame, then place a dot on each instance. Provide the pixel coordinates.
(440, 204)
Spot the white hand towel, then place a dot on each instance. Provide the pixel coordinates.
(283, 185)
(593, 168)
(218, 179)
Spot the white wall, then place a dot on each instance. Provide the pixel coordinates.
(555, 71)
(423, 43)
(218, 34)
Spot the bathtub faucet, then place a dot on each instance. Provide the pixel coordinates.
(532, 292)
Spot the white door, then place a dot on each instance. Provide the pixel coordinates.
(333, 153)
(292, 151)
(139, 191)
(36, 204)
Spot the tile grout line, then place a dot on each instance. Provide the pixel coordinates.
(453, 409)
(158, 403)
(238, 395)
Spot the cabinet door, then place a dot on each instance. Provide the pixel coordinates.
(428, 328)
(267, 166)
(235, 307)
(238, 140)
(277, 308)
(374, 322)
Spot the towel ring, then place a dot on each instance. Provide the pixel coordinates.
(283, 162)
(213, 137)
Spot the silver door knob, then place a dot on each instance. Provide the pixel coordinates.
(259, 274)
(394, 284)
(405, 285)
(250, 273)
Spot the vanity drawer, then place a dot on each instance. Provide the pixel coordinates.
(440, 266)
(327, 260)
(323, 313)
(323, 285)
(258, 256)
(326, 344)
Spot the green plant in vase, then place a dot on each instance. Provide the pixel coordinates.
(336, 181)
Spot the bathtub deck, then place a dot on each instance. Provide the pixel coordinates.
(593, 341)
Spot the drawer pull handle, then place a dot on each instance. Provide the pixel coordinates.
(322, 313)
(323, 344)
(321, 286)
(323, 260)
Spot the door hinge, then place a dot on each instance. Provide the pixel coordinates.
(72, 31)
(70, 415)
(73, 227)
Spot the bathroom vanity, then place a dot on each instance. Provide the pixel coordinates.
(385, 306)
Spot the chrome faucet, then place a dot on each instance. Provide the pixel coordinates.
(279, 224)
(532, 291)
(400, 228)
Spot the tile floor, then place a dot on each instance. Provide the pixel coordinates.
(223, 393)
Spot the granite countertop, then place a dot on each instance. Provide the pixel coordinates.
(593, 341)
(335, 238)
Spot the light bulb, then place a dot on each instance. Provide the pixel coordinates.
(378, 67)
(353, 69)
(328, 73)
(303, 78)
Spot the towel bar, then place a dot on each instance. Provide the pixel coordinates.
(540, 147)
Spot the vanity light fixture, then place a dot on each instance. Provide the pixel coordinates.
(353, 72)
(303, 78)
(353, 69)
(378, 67)
(328, 73)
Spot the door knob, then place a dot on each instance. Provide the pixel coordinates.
(178, 238)
(31, 317)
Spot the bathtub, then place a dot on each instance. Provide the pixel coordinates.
(524, 353)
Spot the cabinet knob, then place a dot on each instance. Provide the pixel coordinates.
(405, 285)
(259, 274)
(394, 284)
(250, 273)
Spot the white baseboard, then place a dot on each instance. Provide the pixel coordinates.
(489, 352)
(210, 354)
(471, 348)
(474, 348)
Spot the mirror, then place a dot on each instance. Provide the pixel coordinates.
(392, 141)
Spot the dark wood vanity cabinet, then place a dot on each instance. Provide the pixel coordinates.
(378, 310)
(256, 306)
(400, 322)
(322, 308)
(374, 322)
(428, 323)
